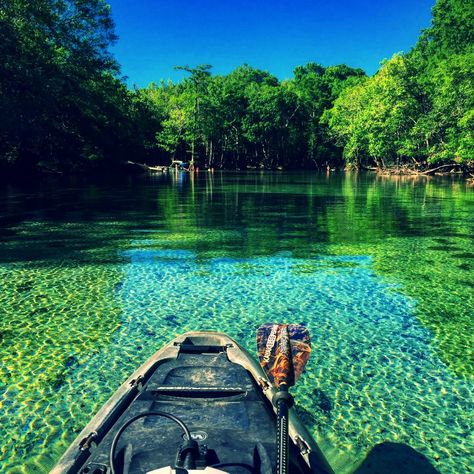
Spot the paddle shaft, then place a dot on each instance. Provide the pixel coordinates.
(283, 351)
(282, 440)
(282, 402)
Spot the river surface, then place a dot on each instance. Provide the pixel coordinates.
(95, 278)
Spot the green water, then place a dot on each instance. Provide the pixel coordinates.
(95, 278)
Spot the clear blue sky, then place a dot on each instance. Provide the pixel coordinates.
(274, 35)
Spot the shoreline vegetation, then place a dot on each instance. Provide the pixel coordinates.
(65, 109)
(442, 170)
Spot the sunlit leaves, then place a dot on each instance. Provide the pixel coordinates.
(248, 118)
(418, 106)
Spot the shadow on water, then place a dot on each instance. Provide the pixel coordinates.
(395, 458)
(383, 458)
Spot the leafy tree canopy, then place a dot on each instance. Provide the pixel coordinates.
(64, 106)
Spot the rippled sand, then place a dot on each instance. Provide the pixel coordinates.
(381, 272)
(373, 375)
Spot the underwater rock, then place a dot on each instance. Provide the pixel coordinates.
(24, 287)
(39, 311)
(464, 255)
(63, 375)
(307, 417)
(470, 284)
(171, 319)
(322, 401)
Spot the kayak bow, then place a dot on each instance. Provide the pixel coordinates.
(201, 385)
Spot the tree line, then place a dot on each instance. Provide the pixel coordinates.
(419, 107)
(64, 106)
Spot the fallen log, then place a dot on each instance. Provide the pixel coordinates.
(433, 170)
(145, 167)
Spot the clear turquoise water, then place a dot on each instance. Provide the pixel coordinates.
(95, 278)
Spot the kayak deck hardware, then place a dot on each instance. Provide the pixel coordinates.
(89, 441)
(138, 382)
(186, 348)
(302, 445)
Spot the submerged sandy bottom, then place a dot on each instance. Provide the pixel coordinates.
(79, 330)
(373, 376)
(100, 299)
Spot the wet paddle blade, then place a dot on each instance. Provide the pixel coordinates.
(283, 350)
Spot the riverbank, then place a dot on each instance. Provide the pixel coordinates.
(440, 170)
(130, 168)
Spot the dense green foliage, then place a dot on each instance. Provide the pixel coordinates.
(249, 118)
(419, 106)
(63, 105)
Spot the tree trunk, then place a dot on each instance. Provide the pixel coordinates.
(211, 154)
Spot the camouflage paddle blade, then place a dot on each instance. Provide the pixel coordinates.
(283, 350)
(300, 344)
(274, 353)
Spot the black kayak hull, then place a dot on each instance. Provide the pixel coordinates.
(218, 390)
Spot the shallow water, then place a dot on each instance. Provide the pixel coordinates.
(94, 278)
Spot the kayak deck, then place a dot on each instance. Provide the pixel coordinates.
(217, 390)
